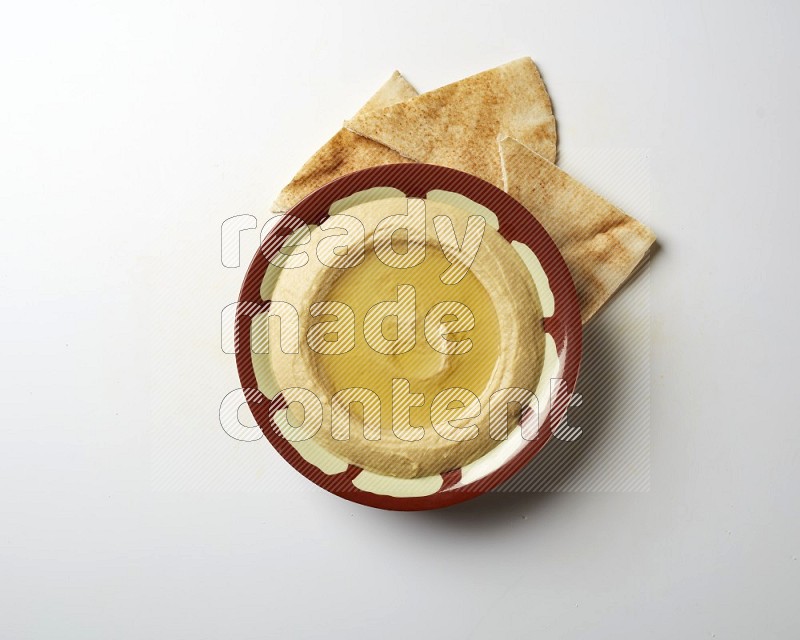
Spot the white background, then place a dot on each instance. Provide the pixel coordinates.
(130, 131)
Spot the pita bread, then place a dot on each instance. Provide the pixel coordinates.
(600, 244)
(395, 89)
(457, 125)
(346, 152)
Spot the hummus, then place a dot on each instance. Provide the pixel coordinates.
(406, 338)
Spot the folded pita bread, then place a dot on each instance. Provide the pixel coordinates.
(346, 152)
(600, 244)
(457, 125)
